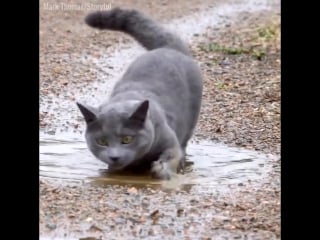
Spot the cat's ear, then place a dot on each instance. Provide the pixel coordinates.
(140, 114)
(87, 112)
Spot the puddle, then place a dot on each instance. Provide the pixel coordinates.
(208, 164)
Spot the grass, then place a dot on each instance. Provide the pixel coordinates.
(267, 32)
(215, 47)
(255, 47)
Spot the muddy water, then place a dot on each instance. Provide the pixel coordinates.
(208, 164)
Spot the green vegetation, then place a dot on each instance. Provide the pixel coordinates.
(255, 47)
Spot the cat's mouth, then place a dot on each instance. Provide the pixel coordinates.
(116, 166)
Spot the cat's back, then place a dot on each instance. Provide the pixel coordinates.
(162, 69)
(169, 79)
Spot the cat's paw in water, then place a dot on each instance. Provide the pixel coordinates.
(161, 170)
(168, 164)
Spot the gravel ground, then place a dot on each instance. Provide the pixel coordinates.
(241, 66)
(241, 107)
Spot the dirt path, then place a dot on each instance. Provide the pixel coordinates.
(241, 106)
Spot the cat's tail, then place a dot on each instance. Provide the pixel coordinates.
(145, 30)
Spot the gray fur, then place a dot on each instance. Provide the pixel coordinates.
(147, 32)
(157, 101)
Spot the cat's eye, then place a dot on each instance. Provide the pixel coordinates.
(102, 141)
(126, 140)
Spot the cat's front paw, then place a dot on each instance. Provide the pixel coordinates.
(161, 170)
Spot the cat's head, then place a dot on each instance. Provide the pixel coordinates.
(118, 133)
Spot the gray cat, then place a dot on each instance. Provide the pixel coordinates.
(153, 109)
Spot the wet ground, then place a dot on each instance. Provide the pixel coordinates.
(208, 164)
(229, 191)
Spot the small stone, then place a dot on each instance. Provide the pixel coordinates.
(51, 226)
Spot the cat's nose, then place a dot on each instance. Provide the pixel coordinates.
(114, 159)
